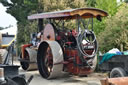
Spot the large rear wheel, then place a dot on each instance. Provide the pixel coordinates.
(49, 59)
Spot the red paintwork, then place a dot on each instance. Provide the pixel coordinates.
(75, 69)
(74, 33)
(73, 54)
(23, 49)
(69, 43)
(58, 37)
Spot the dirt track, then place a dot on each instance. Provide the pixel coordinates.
(93, 79)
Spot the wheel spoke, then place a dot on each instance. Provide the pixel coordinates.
(48, 60)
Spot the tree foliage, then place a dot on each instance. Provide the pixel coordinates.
(1, 28)
(20, 9)
(52, 5)
(108, 5)
(115, 34)
(90, 3)
(126, 1)
(111, 7)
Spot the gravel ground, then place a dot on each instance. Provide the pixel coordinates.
(69, 80)
(92, 79)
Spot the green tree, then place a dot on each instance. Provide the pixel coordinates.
(52, 5)
(116, 31)
(1, 28)
(111, 7)
(90, 3)
(108, 5)
(126, 1)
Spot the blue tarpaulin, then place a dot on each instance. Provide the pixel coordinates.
(106, 57)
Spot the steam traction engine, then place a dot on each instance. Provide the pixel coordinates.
(60, 49)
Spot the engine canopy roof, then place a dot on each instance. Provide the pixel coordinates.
(70, 14)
